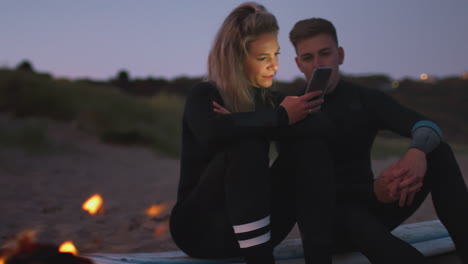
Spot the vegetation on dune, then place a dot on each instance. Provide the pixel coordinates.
(109, 113)
(149, 111)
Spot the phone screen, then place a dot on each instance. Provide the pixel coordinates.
(319, 80)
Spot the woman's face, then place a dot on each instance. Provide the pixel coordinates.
(261, 62)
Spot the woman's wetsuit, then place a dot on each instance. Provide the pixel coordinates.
(230, 201)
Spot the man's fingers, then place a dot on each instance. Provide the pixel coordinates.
(408, 181)
(415, 188)
(403, 196)
(400, 172)
(394, 190)
(410, 199)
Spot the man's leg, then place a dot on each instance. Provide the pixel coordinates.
(450, 196)
(304, 167)
(367, 234)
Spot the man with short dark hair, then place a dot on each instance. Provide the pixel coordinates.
(368, 209)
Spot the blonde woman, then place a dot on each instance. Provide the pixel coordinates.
(230, 202)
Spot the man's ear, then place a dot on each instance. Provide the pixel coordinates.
(341, 55)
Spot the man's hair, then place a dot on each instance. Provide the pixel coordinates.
(311, 27)
(229, 51)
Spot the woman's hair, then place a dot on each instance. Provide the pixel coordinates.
(229, 50)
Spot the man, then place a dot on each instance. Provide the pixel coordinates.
(368, 209)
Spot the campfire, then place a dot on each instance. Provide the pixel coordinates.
(154, 212)
(27, 251)
(94, 204)
(24, 248)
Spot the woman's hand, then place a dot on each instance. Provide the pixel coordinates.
(298, 107)
(219, 109)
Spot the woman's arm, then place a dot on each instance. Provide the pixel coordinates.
(211, 128)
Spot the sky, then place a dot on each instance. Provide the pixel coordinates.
(172, 38)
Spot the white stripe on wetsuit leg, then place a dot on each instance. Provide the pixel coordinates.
(254, 241)
(252, 226)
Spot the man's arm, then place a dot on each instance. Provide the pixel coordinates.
(410, 170)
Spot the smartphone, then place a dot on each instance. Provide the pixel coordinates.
(319, 80)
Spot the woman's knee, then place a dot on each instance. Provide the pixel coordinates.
(247, 154)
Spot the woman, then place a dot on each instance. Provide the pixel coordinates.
(230, 202)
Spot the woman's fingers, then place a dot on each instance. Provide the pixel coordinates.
(219, 109)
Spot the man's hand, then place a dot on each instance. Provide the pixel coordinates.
(403, 179)
(298, 107)
(414, 161)
(387, 184)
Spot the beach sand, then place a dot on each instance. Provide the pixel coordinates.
(44, 193)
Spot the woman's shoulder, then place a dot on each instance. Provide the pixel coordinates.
(205, 87)
(204, 90)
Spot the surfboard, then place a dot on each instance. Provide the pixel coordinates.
(429, 237)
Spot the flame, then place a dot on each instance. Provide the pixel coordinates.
(161, 229)
(155, 209)
(2, 260)
(68, 247)
(93, 205)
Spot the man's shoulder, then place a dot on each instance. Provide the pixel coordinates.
(361, 89)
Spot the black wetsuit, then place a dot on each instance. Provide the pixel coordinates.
(358, 114)
(230, 201)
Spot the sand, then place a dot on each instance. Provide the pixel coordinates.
(44, 193)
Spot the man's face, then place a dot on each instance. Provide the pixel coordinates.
(319, 51)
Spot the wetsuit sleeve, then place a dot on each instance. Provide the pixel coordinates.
(425, 139)
(212, 128)
(389, 114)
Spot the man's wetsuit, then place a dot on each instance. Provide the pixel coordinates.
(358, 114)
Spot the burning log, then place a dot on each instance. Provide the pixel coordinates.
(29, 252)
(94, 204)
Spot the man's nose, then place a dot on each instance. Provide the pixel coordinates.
(318, 63)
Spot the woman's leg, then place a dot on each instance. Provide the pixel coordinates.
(228, 212)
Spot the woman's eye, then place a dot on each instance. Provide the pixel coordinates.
(262, 58)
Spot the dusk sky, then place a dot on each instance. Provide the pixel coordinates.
(171, 38)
